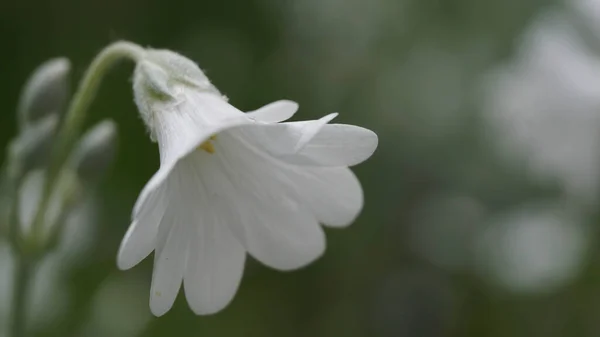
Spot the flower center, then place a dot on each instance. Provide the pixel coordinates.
(208, 145)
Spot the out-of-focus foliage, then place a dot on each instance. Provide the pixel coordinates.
(481, 202)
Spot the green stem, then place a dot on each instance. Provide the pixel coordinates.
(75, 116)
(22, 279)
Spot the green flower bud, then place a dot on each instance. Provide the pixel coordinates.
(62, 199)
(46, 91)
(31, 149)
(96, 152)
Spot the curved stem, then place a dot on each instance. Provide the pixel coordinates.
(22, 279)
(75, 117)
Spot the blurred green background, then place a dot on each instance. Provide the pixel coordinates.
(481, 210)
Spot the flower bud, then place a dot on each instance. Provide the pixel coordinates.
(62, 199)
(31, 148)
(96, 151)
(46, 91)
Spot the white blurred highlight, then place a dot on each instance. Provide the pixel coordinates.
(545, 107)
(536, 249)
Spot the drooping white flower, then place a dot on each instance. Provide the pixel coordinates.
(231, 182)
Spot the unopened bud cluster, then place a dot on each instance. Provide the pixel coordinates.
(41, 107)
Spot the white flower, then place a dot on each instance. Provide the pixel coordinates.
(231, 182)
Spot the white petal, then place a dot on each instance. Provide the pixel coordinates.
(214, 268)
(152, 187)
(334, 195)
(282, 237)
(284, 139)
(273, 227)
(309, 130)
(187, 124)
(275, 112)
(168, 270)
(337, 145)
(171, 252)
(313, 143)
(215, 258)
(140, 239)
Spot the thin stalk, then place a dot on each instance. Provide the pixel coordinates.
(75, 117)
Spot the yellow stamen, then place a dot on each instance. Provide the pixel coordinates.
(207, 145)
